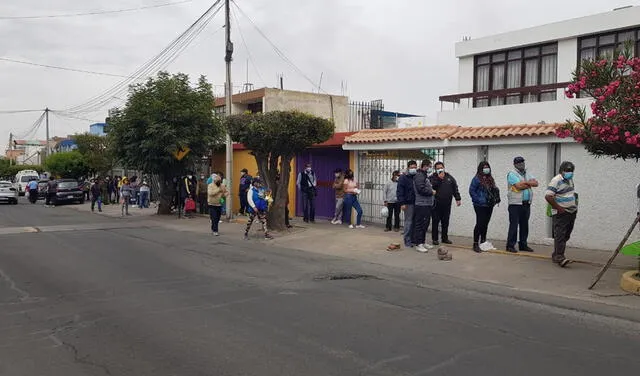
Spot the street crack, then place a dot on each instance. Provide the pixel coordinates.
(346, 276)
(85, 359)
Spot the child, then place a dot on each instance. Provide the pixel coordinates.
(257, 206)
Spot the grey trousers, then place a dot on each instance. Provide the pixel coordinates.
(338, 212)
(562, 228)
(407, 233)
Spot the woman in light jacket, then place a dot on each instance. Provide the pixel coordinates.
(351, 192)
(216, 191)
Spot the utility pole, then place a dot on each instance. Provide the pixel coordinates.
(9, 153)
(228, 57)
(47, 150)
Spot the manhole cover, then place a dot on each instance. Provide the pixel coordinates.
(345, 276)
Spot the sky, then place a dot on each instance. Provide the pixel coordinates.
(400, 51)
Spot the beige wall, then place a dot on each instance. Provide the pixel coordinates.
(315, 104)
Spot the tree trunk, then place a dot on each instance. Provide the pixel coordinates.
(166, 194)
(281, 196)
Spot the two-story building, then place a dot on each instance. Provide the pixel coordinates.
(510, 101)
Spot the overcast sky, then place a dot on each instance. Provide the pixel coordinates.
(401, 51)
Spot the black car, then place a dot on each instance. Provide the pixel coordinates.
(42, 189)
(68, 190)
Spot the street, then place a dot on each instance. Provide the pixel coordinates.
(85, 294)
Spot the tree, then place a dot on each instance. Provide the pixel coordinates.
(614, 86)
(274, 139)
(69, 164)
(8, 169)
(161, 116)
(97, 152)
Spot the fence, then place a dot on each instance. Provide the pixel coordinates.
(362, 115)
(374, 172)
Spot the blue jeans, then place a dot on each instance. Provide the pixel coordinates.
(144, 199)
(351, 202)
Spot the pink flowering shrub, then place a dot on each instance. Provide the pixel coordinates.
(614, 128)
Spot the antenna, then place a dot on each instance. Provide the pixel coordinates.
(320, 83)
(248, 86)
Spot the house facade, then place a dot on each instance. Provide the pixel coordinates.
(510, 102)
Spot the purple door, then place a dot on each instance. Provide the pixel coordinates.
(324, 162)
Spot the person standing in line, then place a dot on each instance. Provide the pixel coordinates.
(423, 206)
(307, 184)
(257, 207)
(446, 188)
(351, 192)
(243, 188)
(391, 202)
(52, 189)
(188, 192)
(338, 186)
(125, 196)
(216, 193)
(145, 192)
(406, 196)
(484, 195)
(201, 193)
(110, 188)
(520, 195)
(561, 195)
(96, 195)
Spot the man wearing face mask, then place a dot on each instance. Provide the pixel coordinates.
(519, 194)
(406, 198)
(391, 202)
(423, 206)
(563, 199)
(307, 183)
(446, 188)
(245, 185)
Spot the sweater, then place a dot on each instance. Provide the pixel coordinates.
(423, 189)
(215, 194)
(391, 192)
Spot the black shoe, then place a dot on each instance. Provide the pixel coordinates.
(435, 242)
(511, 250)
(476, 248)
(526, 249)
(387, 229)
(447, 241)
(305, 220)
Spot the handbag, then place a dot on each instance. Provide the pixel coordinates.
(189, 205)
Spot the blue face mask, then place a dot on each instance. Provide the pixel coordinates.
(413, 171)
(486, 171)
(567, 175)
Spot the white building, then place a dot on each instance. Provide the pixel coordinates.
(511, 100)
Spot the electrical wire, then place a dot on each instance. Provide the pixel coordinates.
(67, 116)
(153, 65)
(244, 42)
(61, 68)
(33, 128)
(277, 50)
(17, 111)
(94, 13)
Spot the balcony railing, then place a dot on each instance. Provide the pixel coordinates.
(502, 95)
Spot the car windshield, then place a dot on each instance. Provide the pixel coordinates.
(26, 179)
(5, 185)
(67, 184)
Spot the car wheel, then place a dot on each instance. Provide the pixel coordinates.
(82, 202)
(15, 202)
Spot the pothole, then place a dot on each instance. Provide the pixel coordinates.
(345, 276)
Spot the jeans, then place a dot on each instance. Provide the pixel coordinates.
(394, 213)
(243, 202)
(351, 202)
(125, 205)
(562, 228)
(97, 199)
(309, 205)
(337, 216)
(407, 234)
(483, 216)
(421, 217)
(215, 212)
(441, 215)
(518, 217)
(144, 199)
(51, 199)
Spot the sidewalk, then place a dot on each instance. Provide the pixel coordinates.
(522, 271)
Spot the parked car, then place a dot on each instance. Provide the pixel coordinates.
(23, 178)
(42, 189)
(68, 191)
(8, 193)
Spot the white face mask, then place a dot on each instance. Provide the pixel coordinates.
(190, 176)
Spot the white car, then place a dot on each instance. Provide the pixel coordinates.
(23, 178)
(8, 193)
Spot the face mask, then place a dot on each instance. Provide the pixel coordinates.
(413, 171)
(190, 176)
(337, 175)
(308, 169)
(202, 177)
(486, 171)
(520, 166)
(394, 178)
(440, 171)
(429, 170)
(568, 175)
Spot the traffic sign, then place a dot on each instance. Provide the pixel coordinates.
(181, 152)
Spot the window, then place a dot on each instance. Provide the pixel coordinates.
(608, 44)
(508, 70)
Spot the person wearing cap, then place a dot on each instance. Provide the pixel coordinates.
(519, 194)
(257, 207)
(245, 185)
(561, 195)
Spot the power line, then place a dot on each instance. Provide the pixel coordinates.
(94, 13)
(61, 68)
(277, 50)
(33, 128)
(17, 111)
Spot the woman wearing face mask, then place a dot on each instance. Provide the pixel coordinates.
(391, 202)
(216, 193)
(484, 195)
(351, 199)
(338, 186)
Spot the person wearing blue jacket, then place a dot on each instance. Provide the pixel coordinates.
(484, 195)
(406, 198)
(257, 207)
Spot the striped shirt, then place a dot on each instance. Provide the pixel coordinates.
(564, 194)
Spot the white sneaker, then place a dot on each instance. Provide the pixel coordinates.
(352, 226)
(487, 246)
(339, 222)
(334, 222)
(421, 248)
(427, 246)
(360, 226)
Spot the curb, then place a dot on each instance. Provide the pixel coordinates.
(630, 284)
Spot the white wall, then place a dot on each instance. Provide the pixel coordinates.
(462, 163)
(465, 74)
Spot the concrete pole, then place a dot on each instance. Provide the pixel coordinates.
(228, 104)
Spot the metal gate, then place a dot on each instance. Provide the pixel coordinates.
(374, 172)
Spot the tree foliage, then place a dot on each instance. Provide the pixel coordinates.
(614, 86)
(71, 164)
(97, 152)
(161, 116)
(274, 139)
(8, 169)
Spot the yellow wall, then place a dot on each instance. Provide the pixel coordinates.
(243, 159)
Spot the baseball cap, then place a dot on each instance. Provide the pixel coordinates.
(518, 160)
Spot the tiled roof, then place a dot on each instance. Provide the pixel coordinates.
(451, 132)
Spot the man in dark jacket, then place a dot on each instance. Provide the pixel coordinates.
(423, 206)
(243, 188)
(407, 198)
(446, 189)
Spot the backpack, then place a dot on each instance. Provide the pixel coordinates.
(493, 196)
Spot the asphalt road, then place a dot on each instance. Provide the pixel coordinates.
(140, 300)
